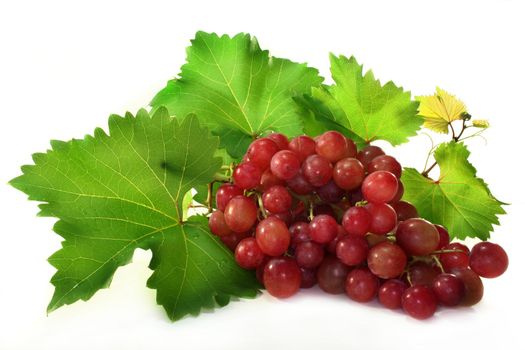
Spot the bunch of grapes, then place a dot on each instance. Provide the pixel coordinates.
(316, 211)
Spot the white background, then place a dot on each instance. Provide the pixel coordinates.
(65, 66)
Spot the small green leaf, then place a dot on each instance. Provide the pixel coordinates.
(194, 270)
(370, 110)
(459, 200)
(118, 192)
(238, 90)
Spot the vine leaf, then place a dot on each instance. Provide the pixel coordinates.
(360, 104)
(238, 90)
(459, 200)
(116, 192)
(440, 109)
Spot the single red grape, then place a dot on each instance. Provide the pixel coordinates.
(308, 278)
(282, 277)
(285, 165)
(444, 237)
(268, 179)
(488, 260)
(349, 173)
(379, 187)
(473, 286)
(303, 146)
(449, 289)
(419, 302)
(247, 175)
(331, 145)
(323, 228)
(387, 260)
(218, 225)
(248, 254)
(367, 154)
(330, 193)
(317, 170)
(356, 221)
(391, 292)
(361, 285)
(279, 139)
(404, 210)
(277, 199)
(309, 254)
(417, 237)
(384, 218)
(386, 163)
(260, 152)
(331, 275)
(352, 250)
(240, 213)
(454, 260)
(272, 236)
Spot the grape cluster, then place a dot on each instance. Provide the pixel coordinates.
(316, 211)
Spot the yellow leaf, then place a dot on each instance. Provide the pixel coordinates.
(440, 109)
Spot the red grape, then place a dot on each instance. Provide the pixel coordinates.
(404, 210)
(356, 221)
(261, 152)
(331, 145)
(303, 146)
(367, 154)
(379, 187)
(233, 239)
(454, 260)
(331, 275)
(272, 236)
(268, 179)
(417, 237)
(361, 285)
(300, 232)
(308, 278)
(390, 293)
(309, 254)
(351, 149)
(352, 250)
(473, 286)
(248, 254)
(419, 302)
(279, 139)
(323, 228)
(421, 273)
(240, 214)
(399, 194)
(300, 185)
(386, 260)
(218, 225)
(330, 193)
(444, 237)
(277, 199)
(384, 218)
(348, 173)
(386, 163)
(317, 170)
(285, 165)
(488, 260)
(282, 277)
(247, 175)
(449, 289)
(224, 193)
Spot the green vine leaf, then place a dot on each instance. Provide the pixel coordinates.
(459, 200)
(238, 90)
(116, 192)
(361, 104)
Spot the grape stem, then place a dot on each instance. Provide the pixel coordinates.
(438, 263)
(218, 177)
(209, 197)
(261, 205)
